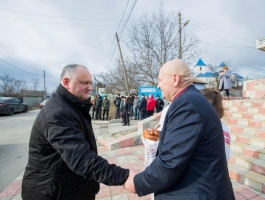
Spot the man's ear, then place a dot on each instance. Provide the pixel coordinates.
(176, 79)
(65, 82)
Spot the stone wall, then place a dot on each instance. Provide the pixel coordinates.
(254, 89)
(149, 122)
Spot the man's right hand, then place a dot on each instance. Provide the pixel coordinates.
(129, 184)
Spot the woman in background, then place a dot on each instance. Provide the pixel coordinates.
(215, 98)
(225, 81)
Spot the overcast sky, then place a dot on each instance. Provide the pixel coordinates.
(47, 35)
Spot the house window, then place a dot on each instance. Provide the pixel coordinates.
(200, 68)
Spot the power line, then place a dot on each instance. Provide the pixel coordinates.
(122, 29)
(210, 36)
(113, 44)
(17, 59)
(128, 18)
(84, 51)
(19, 68)
(52, 16)
(123, 15)
(228, 47)
(57, 9)
(52, 80)
(53, 22)
(221, 31)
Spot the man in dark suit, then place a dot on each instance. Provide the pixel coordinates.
(190, 162)
(142, 107)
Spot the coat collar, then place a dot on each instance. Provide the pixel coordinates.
(81, 104)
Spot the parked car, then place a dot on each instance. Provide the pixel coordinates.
(10, 105)
(43, 103)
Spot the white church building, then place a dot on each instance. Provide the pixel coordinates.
(204, 73)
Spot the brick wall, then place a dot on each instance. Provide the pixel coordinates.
(254, 89)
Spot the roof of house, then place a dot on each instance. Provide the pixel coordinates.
(238, 76)
(200, 63)
(207, 74)
(32, 93)
(222, 64)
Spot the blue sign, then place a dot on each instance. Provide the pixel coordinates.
(147, 90)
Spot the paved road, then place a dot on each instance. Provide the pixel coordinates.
(14, 138)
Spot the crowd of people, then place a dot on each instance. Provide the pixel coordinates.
(126, 107)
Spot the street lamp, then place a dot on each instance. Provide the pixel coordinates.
(180, 28)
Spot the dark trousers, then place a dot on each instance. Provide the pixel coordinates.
(131, 110)
(226, 90)
(126, 118)
(150, 113)
(93, 112)
(136, 114)
(107, 113)
(98, 113)
(142, 115)
(159, 110)
(117, 113)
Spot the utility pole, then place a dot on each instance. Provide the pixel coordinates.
(44, 92)
(179, 32)
(180, 50)
(123, 66)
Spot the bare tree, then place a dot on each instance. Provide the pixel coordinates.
(113, 80)
(35, 82)
(153, 40)
(10, 86)
(215, 70)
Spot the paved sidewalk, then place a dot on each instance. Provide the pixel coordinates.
(132, 158)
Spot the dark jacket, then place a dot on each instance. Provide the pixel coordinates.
(117, 102)
(125, 107)
(191, 162)
(159, 103)
(142, 105)
(63, 161)
(99, 102)
(105, 104)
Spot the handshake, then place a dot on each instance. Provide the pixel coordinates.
(129, 184)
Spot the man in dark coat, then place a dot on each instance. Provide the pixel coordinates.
(191, 162)
(105, 107)
(142, 107)
(98, 106)
(117, 103)
(159, 104)
(63, 161)
(125, 111)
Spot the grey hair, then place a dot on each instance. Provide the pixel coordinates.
(69, 70)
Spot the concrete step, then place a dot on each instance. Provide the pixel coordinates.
(243, 138)
(231, 121)
(242, 109)
(254, 180)
(262, 154)
(237, 172)
(260, 103)
(245, 115)
(257, 141)
(127, 140)
(237, 146)
(258, 166)
(253, 151)
(233, 136)
(232, 157)
(245, 161)
(260, 132)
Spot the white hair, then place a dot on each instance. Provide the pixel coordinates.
(69, 70)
